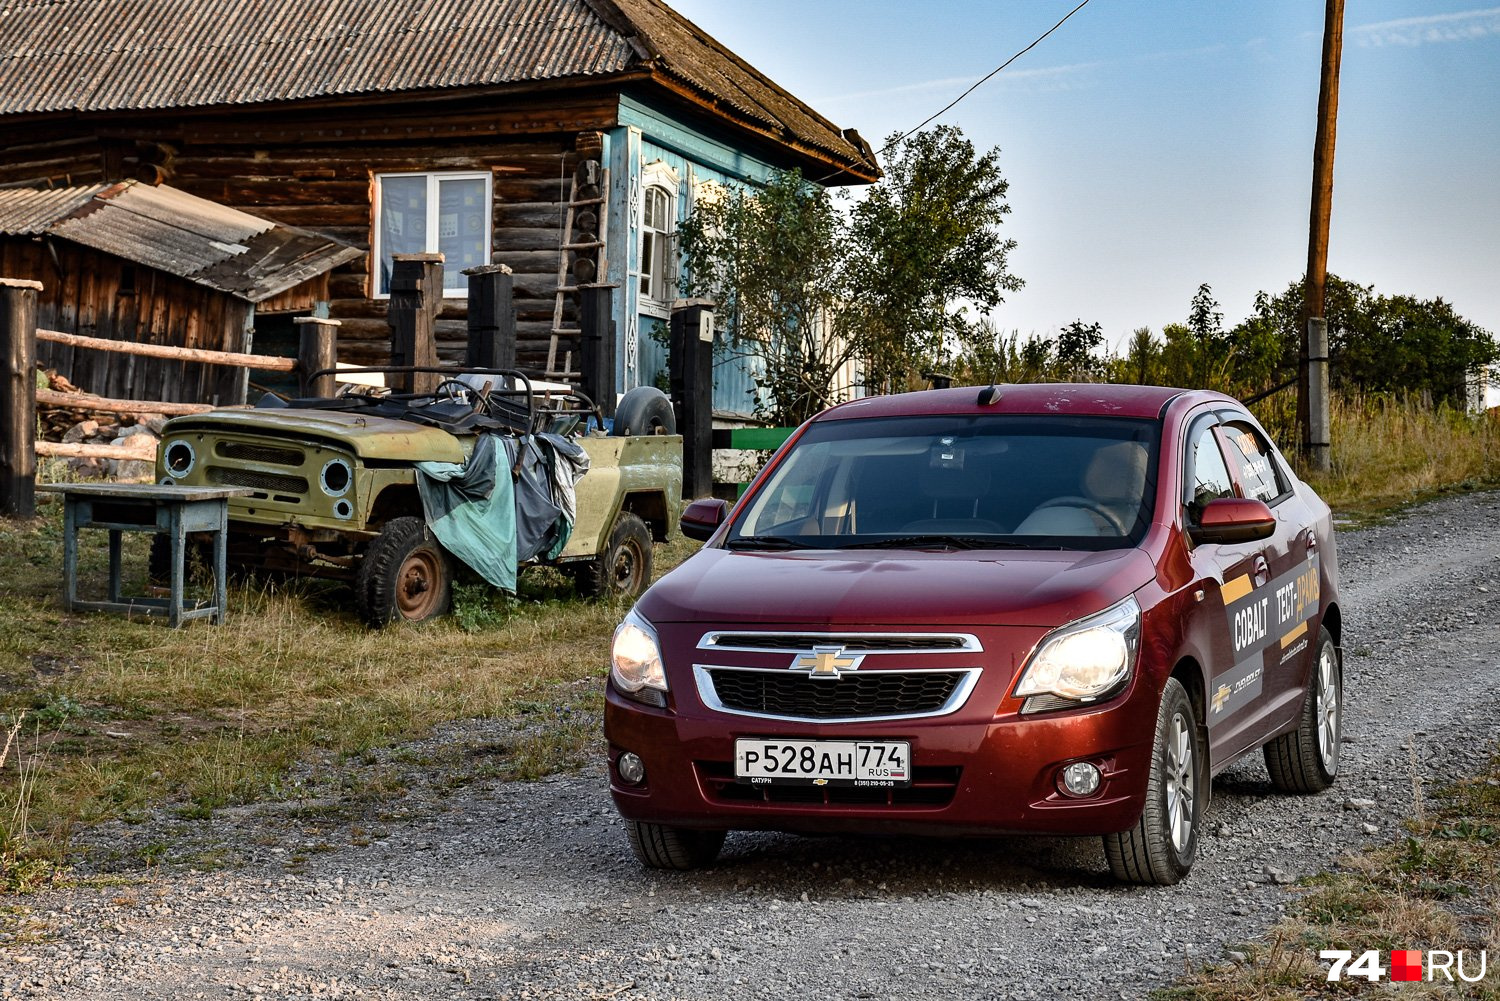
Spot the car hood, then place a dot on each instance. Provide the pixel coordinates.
(366, 436)
(860, 587)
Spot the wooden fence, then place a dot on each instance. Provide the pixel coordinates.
(19, 396)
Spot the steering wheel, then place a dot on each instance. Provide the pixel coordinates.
(1109, 517)
(459, 392)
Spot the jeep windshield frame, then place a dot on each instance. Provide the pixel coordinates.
(958, 482)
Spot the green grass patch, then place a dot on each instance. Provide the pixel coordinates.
(1437, 888)
(113, 718)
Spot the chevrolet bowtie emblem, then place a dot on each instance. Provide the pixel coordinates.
(826, 662)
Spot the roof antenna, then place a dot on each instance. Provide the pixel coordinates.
(989, 395)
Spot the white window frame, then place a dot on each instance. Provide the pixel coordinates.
(658, 175)
(455, 286)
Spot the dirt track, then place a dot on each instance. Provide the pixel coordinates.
(529, 891)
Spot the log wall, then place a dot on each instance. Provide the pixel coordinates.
(314, 168)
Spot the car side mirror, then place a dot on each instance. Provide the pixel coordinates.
(1233, 519)
(703, 517)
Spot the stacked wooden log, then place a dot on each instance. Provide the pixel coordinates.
(94, 436)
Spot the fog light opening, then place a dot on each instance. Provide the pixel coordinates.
(631, 768)
(1079, 779)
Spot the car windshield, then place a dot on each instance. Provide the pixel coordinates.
(958, 482)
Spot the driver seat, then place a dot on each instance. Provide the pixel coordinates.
(1115, 480)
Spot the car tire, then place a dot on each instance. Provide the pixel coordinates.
(1160, 847)
(644, 410)
(405, 575)
(1306, 760)
(623, 569)
(657, 846)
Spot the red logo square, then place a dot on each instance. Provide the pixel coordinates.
(1406, 964)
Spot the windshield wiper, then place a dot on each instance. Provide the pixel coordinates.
(763, 542)
(927, 541)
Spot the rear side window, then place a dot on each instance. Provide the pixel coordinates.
(1255, 464)
(1208, 476)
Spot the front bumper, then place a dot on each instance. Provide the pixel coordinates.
(974, 772)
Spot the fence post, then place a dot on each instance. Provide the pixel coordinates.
(317, 349)
(18, 397)
(492, 317)
(597, 346)
(691, 374)
(416, 297)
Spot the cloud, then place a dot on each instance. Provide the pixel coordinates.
(1066, 77)
(1058, 76)
(1461, 26)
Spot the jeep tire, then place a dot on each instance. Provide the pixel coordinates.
(406, 575)
(623, 569)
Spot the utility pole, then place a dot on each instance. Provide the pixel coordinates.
(1312, 384)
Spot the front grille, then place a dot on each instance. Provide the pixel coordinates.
(247, 452)
(930, 787)
(852, 696)
(271, 482)
(853, 643)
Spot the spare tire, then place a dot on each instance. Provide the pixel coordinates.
(644, 410)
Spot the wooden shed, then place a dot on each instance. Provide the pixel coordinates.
(129, 261)
(452, 126)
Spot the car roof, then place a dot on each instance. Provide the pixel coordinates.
(1079, 399)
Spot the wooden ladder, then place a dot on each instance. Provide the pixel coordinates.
(575, 334)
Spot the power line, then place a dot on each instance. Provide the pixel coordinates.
(977, 84)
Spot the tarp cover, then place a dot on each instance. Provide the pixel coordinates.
(511, 501)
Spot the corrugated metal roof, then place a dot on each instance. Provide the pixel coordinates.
(175, 232)
(119, 55)
(28, 211)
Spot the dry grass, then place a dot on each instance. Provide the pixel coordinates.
(1438, 888)
(124, 716)
(1392, 452)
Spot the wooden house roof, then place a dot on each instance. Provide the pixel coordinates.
(175, 232)
(101, 56)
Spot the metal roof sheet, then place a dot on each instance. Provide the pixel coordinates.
(175, 232)
(123, 55)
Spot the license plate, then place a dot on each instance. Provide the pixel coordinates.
(875, 763)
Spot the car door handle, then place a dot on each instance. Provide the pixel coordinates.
(1312, 543)
(1261, 572)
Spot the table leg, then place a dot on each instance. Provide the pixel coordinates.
(114, 565)
(179, 560)
(70, 553)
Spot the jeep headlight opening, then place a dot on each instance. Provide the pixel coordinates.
(635, 661)
(1087, 658)
(178, 457)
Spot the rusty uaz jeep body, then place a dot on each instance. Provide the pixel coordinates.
(334, 484)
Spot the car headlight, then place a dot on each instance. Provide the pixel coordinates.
(1084, 659)
(635, 661)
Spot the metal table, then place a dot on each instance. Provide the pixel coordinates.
(146, 507)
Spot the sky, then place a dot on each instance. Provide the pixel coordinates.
(1155, 146)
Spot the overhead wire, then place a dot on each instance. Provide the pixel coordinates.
(975, 86)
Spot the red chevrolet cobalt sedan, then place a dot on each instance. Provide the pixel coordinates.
(1057, 609)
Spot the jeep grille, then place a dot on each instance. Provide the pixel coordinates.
(247, 452)
(271, 482)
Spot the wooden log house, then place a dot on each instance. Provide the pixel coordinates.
(564, 139)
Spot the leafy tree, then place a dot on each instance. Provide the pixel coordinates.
(773, 260)
(925, 249)
(1075, 351)
(1381, 343)
(1143, 358)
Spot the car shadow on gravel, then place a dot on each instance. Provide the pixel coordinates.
(840, 866)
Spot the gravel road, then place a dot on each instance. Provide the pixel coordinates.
(529, 891)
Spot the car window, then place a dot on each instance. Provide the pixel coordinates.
(1255, 464)
(1001, 481)
(1207, 475)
